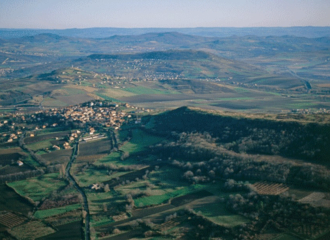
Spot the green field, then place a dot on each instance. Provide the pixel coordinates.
(91, 175)
(217, 213)
(234, 99)
(158, 199)
(55, 211)
(140, 141)
(29, 160)
(73, 91)
(40, 145)
(38, 187)
(51, 102)
(143, 90)
(99, 222)
(111, 158)
(105, 97)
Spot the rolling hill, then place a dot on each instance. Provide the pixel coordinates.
(184, 64)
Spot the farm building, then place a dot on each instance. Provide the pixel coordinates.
(95, 186)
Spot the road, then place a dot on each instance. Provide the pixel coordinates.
(304, 80)
(81, 191)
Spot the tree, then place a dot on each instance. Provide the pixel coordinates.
(188, 174)
(106, 188)
(124, 155)
(105, 207)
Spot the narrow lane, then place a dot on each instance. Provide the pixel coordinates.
(81, 191)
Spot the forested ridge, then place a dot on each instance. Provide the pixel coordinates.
(307, 141)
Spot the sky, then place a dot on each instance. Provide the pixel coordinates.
(62, 14)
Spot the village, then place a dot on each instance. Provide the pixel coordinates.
(83, 116)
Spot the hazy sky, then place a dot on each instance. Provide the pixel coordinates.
(162, 13)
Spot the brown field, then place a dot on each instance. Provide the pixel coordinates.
(30, 140)
(75, 99)
(70, 231)
(323, 85)
(145, 98)
(11, 201)
(31, 230)
(116, 93)
(9, 169)
(90, 158)
(57, 157)
(5, 159)
(10, 144)
(313, 197)
(317, 199)
(265, 188)
(39, 88)
(11, 150)
(11, 220)
(85, 88)
(57, 142)
(94, 148)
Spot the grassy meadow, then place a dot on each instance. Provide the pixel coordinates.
(38, 187)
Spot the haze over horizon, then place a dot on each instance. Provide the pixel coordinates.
(60, 14)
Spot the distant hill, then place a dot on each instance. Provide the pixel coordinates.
(311, 32)
(44, 37)
(171, 38)
(170, 64)
(161, 55)
(184, 64)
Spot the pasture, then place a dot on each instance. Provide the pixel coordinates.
(164, 198)
(38, 187)
(40, 214)
(215, 210)
(41, 145)
(92, 175)
(140, 141)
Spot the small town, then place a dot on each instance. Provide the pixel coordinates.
(107, 114)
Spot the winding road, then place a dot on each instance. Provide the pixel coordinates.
(81, 191)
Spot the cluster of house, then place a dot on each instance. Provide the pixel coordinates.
(309, 111)
(109, 116)
(12, 136)
(70, 138)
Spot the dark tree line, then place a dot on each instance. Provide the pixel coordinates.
(203, 160)
(291, 139)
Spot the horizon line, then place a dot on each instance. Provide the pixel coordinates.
(4, 28)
